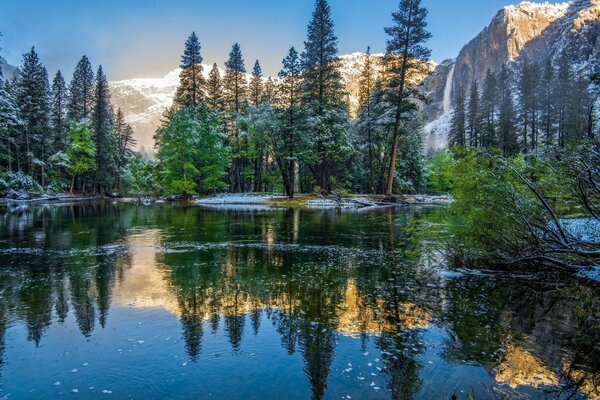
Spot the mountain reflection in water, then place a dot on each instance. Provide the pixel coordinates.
(176, 302)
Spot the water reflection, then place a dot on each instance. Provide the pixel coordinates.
(324, 283)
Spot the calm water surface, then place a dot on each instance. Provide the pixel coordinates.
(109, 300)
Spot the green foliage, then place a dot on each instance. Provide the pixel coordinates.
(81, 150)
(440, 173)
(190, 151)
(142, 177)
(509, 211)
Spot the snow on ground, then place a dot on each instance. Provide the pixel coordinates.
(235, 199)
(585, 229)
(592, 273)
(237, 207)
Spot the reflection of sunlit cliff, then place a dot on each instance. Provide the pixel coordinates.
(144, 286)
(520, 367)
(355, 316)
(588, 382)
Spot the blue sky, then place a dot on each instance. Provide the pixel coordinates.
(144, 38)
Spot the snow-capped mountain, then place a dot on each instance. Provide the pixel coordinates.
(144, 100)
(536, 31)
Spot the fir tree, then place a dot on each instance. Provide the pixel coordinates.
(405, 52)
(365, 114)
(321, 82)
(286, 141)
(235, 91)
(488, 110)
(458, 129)
(32, 97)
(323, 95)
(81, 91)
(256, 85)
(506, 114)
(595, 95)
(58, 113)
(214, 90)
(562, 96)
(81, 152)
(546, 96)
(125, 141)
(10, 126)
(102, 126)
(269, 91)
(529, 102)
(1, 74)
(235, 81)
(191, 153)
(190, 91)
(473, 125)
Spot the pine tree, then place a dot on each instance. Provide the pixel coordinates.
(405, 53)
(258, 139)
(529, 102)
(286, 140)
(81, 152)
(562, 95)
(102, 126)
(594, 96)
(365, 114)
(191, 153)
(321, 81)
(256, 85)
(235, 84)
(1, 74)
(10, 126)
(323, 96)
(506, 114)
(190, 92)
(546, 96)
(235, 90)
(269, 91)
(458, 129)
(58, 113)
(214, 90)
(81, 91)
(32, 97)
(487, 110)
(125, 141)
(473, 124)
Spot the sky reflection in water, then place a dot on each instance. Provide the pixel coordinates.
(106, 299)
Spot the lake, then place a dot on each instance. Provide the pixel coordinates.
(112, 300)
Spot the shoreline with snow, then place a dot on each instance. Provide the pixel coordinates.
(320, 202)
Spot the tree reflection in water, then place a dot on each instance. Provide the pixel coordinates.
(315, 276)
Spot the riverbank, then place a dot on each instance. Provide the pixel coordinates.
(47, 198)
(321, 202)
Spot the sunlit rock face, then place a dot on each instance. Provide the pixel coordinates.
(505, 38)
(539, 32)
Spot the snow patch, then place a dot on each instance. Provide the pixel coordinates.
(235, 199)
(592, 273)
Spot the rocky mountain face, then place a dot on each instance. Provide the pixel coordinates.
(9, 72)
(536, 31)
